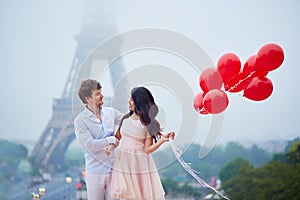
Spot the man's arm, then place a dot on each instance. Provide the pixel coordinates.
(88, 142)
(117, 116)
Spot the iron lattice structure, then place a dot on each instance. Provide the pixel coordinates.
(98, 24)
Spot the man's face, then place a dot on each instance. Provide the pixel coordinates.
(96, 99)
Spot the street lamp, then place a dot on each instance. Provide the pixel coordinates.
(42, 191)
(35, 196)
(69, 181)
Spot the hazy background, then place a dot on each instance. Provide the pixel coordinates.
(38, 44)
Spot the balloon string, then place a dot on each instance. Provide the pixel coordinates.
(177, 152)
(241, 81)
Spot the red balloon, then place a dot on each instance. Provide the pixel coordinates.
(250, 68)
(210, 79)
(243, 79)
(269, 57)
(198, 105)
(229, 65)
(215, 101)
(203, 111)
(260, 88)
(237, 84)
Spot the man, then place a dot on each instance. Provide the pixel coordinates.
(95, 128)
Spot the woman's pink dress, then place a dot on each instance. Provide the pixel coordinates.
(134, 174)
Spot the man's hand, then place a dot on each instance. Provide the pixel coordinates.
(117, 142)
(109, 149)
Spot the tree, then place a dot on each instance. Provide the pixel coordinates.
(11, 155)
(258, 156)
(278, 179)
(293, 156)
(170, 185)
(233, 168)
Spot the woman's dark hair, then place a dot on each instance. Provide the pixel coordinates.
(146, 108)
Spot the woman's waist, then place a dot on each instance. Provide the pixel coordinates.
(132, 142)
(131, 145)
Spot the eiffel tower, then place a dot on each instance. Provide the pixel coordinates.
(97, 25)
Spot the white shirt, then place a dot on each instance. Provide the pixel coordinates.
(95, 135)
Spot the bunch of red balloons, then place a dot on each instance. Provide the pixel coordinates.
(230, 76)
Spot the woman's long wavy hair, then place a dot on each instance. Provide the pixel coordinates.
(146, 108)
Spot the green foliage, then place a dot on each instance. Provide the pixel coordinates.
(295, 147)
(273, 181)
(290, 144)
(173, 189)
(293, 156)
(10, 149)
(11, 155)
(170, 185)
(233, 168)
(236, 158)
(277, 180)
(210, 165)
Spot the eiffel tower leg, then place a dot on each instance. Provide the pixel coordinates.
(97, 26)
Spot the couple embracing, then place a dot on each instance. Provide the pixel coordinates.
(128, 172)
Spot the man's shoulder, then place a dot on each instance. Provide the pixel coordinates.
(109, 109)
(81, 116)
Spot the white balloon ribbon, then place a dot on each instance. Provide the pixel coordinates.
(177, 152)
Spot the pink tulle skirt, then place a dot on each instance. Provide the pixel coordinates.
(135, 176)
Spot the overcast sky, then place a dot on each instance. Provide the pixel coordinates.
(38, 44)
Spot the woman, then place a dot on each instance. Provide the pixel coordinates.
(134, 173)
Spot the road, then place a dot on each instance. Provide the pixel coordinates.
(57, 188)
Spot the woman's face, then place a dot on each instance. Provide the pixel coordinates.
(131, 104)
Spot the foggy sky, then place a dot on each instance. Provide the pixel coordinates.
(38, 44)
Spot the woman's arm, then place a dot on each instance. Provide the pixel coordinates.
(151, 147)
(118, 134)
